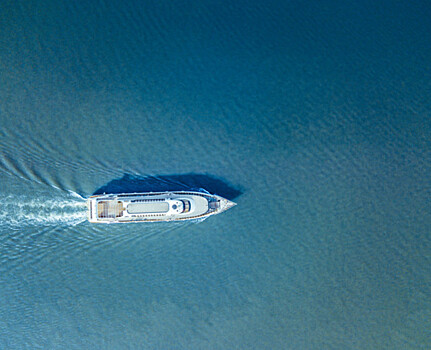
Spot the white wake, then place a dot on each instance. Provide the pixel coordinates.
(23, 210)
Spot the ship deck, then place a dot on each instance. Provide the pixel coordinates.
(136, 207)
(110, 209)
(148, 207)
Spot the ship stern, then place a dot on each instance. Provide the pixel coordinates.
(91, 210)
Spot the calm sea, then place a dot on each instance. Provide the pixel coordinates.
(314, 116)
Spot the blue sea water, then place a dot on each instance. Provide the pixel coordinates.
(315, 115)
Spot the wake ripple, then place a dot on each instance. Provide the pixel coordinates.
(22, 210)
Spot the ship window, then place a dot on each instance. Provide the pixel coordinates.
(186, 206)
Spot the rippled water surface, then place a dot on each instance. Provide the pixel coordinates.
(313, 116)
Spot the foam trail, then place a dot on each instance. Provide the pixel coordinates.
(76, 195)
(22, 210)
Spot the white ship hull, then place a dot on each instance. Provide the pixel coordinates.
(154, 206)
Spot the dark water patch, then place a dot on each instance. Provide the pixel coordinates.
(177, 182)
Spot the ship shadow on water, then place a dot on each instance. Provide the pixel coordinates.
(177, 182)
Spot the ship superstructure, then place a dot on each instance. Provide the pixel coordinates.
(154, 206)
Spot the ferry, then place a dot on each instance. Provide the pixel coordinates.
(154, 206)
